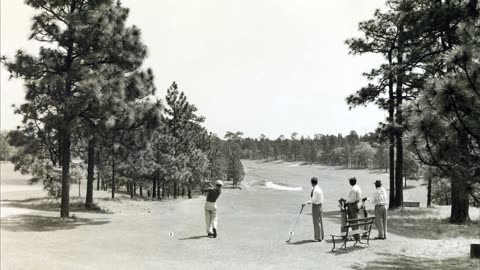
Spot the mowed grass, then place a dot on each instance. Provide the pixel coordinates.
(432, 223)
(253, 225)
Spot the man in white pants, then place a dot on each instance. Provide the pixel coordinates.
(316, 199)
(211, 208)
(380, 201)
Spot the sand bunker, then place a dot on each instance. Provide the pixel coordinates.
(272, 185)
(293, 165)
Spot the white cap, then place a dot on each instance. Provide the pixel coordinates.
(219, 183)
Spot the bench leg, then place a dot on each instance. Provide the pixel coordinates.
(345, 244)
(368, 235)
(333, 239)
(358, 241)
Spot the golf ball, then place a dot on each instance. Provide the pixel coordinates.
(171, 234)
(291, 233)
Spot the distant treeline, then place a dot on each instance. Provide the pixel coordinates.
(350, 151)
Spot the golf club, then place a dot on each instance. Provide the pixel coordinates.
(291, 233)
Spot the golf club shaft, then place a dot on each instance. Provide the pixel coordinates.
(294, 226)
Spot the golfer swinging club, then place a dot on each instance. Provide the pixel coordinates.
(316, 199)
(211, 208)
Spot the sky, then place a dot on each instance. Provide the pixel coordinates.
(268, 67)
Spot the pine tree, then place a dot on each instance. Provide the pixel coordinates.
(86, 44)
(183, 127)
(447, 123)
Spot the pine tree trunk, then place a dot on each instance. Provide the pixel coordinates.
(158, 190)
(140, 190)
(65, 201)
(163, 189)
(175, 189)
(113, 177)
(399, 124)
(460, 202)
(429, 192)
(90, 172)
(391, 137)
(98, 180)
(154, 189)
(132, 190)
(66, 130)
(459, 183)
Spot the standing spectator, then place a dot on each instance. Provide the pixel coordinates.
(316, 199)
(380, 201)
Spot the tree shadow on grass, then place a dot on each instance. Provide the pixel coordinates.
(376, 171)
(52, 205)
(430, 228)
(391, 261)
(409, 187)
(37, 223)
(421, 223)
(339, 252)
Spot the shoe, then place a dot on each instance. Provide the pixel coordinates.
(317, 240)
(379, 238)
(210, 235)
(214, 233)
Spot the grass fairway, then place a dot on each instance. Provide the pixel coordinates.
(253, 226)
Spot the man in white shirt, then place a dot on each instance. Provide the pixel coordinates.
(316, 199)
(354, 198)
(380, 201)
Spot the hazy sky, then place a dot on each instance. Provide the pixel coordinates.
(257, 66)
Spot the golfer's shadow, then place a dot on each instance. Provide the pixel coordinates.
(193, 237)
(302, 242)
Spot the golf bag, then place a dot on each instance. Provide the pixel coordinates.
(343, 214)
(364, 214)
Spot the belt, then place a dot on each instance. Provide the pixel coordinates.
(380, 205)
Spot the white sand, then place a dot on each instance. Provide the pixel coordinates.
(281, 187)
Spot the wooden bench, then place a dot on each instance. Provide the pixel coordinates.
(411, 204)
(365, 227)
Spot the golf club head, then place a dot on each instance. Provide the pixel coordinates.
(291, 233)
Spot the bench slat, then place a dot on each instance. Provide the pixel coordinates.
(361, 219)
(350, 233)
(358, 224)
(411, 204)
(358, 232)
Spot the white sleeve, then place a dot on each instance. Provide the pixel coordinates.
(316, 196)
(374, 199)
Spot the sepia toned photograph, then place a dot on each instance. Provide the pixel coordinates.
(253, 134)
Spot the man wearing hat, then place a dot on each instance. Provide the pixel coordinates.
(316, 199)
(380, 201)
(211, 208)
